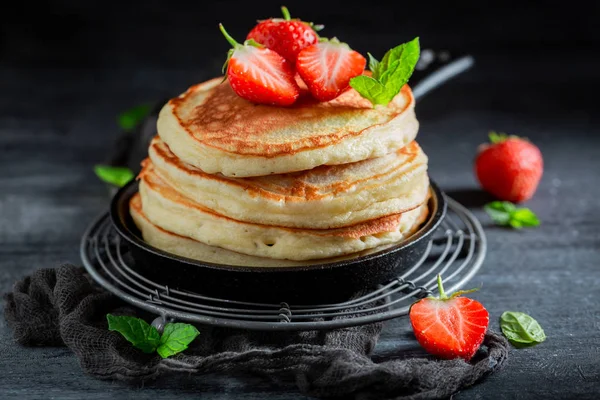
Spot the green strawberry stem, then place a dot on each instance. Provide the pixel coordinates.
(235, 44)
(444, 296)
(231, 40)
(441, 288)
(286, 13)
(499, 137)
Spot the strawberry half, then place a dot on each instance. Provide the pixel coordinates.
(260, 75)
(327, 67)
(285, 36)
(449, 327)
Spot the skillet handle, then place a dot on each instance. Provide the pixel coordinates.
(440, 75)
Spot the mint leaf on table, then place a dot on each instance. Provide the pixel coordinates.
(505, 213)
(131, 118)
(390, 75)
(175, 338)
(118, 176)
(137, 331)
(521, 329)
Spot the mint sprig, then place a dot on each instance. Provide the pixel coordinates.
(137, 331)
(131, 118)
(388, 75)
(505, 213)
(118, 176)
(521, 329)
(175, 338)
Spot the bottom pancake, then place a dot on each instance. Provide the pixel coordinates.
(173, 212)
(189, 248)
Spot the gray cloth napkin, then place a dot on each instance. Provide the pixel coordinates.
(62, 307)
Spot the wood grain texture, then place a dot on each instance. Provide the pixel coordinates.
(59, 96)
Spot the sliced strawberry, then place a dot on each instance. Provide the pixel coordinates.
(260, 75)
(449, 327)
(285, 36)
(327, 67)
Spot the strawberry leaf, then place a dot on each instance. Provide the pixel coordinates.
(316, 27)
(496, 137)
(499, 137)
(461, 292)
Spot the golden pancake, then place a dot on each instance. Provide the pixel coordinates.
(215, 130)
(186, 247)
(168, 209)
(322, 198)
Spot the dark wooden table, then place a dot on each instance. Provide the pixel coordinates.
(59, 95)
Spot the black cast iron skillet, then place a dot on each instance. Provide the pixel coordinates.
(311, 284)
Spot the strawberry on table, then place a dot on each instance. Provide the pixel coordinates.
(327, 67)
(260, 75)
(449, 326)
(285, 36)
(510, 167)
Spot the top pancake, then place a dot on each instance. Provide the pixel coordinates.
(212, 128)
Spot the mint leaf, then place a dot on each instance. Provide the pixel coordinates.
(389, 75)
(373, 64)
(505, 213)
(175, 339)
(398, 64)
(404, 51)
(118, 176)
(521, 329)
(525, 217)
(131, 118)
(371, 89)
(137, 331)
(500, 211)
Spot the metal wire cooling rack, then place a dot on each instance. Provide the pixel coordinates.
(456, 251)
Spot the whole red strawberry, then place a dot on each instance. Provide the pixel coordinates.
(285, 36)
(449, 326)
(259, 74)
(327, 67)
(510, 168)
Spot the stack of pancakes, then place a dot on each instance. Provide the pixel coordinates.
(232, 182)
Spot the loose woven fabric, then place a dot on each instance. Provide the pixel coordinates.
(55, 307)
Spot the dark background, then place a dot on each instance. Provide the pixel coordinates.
(141, 49)
(67, 68)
